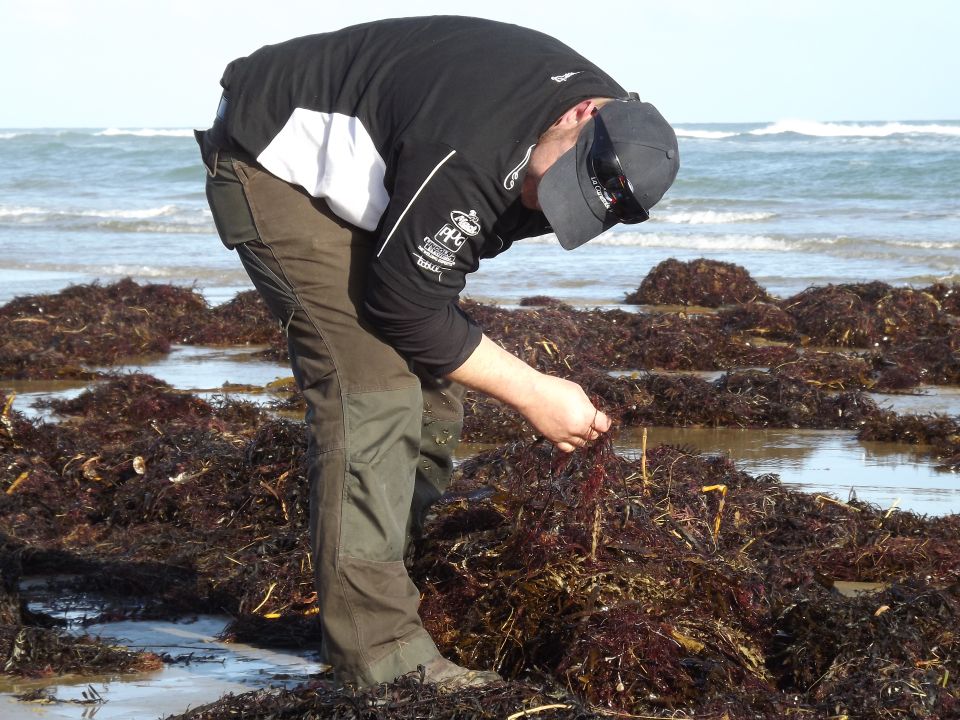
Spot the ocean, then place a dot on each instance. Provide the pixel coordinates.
(797, 203)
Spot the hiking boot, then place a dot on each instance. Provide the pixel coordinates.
(450, 677)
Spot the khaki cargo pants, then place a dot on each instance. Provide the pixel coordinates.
(380, 433)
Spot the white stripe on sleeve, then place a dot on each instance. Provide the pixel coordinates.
(413, 199)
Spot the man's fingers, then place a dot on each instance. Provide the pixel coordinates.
(601, 423)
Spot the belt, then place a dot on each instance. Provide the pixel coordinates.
(218, 131)
(222, 109)
(216, 143)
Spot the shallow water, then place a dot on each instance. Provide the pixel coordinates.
(926, 399)
(208, 369)
(207, 372)
(207, 667)
(821, 461)
(217, 668)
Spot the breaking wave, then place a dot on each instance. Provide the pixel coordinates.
(814, 128)
(712, 217)
(146, 132)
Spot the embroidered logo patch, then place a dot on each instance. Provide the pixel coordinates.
(467, 222)
(429, 266)
(564, 78)
(440, 251)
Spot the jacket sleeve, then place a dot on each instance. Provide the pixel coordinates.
(439, 339)
(433, 234)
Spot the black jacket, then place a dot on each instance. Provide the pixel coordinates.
(418, 129)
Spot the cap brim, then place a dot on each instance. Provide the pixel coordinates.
(562, 200)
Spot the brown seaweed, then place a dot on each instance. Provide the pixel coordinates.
(406, 698)
(708, 283)
(940, 433)
(658, 584)
(66, 334)
(666, 585)
(763, 319)
(865, 315)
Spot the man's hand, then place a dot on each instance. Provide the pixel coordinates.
(562, 412)
(557, 408)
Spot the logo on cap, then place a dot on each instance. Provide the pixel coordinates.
(598, 189)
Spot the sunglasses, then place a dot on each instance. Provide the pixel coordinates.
(605, 167)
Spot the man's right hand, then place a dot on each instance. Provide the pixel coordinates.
(557, 408)
(562, 412)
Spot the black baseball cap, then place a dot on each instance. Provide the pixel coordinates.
(625, 159)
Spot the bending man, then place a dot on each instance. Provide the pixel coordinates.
(361, 175)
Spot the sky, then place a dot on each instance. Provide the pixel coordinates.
(157, 63)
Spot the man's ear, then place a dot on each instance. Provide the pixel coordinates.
(578, 114)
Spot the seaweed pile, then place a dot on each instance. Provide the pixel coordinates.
(905, 336)
(145, 492)
(563, 340)
(666, 585)
(67, 334)
(34, 644)
(708, 283)
(676, 582)
(406, 698)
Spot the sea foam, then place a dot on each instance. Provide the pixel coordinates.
(826, 129)
(17, 212)
(146, 132)
(709, 243)
(814, 128)
(165, 210)
(705, 134)
(711, 217)
(39, 214)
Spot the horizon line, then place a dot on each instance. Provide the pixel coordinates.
(8, 128)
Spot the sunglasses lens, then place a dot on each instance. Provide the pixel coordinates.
(609, 173)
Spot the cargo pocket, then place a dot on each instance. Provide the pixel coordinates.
(228, 204)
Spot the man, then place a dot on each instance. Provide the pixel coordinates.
(360, 175)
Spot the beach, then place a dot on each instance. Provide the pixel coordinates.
(794, 205)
